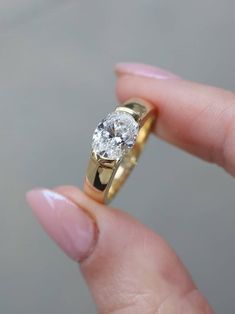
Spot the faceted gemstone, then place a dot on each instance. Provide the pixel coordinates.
(115, 135)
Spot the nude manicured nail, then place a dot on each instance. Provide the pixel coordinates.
(145, 70)
(67, 224)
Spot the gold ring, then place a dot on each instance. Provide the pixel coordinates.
(116, 145)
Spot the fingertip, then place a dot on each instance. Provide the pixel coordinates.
(144, 70)
(33, 198)
(67, 224)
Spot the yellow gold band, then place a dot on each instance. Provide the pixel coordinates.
(104, 177)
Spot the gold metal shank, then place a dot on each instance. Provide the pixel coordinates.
(105, 177)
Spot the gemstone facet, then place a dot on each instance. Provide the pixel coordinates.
(115, 135)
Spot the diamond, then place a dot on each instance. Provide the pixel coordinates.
(115, 135)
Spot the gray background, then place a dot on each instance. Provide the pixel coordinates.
(56, 82)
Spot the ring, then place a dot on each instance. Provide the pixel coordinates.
(116, 145)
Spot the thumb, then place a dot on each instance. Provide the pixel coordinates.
(128, 268)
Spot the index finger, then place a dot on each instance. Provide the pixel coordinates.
(198, 118)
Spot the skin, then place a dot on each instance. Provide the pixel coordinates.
(130, 268)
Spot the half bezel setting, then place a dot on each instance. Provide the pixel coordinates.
(115, 135)
(117, 144)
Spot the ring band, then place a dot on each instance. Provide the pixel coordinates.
(117, 143)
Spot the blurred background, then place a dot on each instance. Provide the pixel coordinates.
(56, 83)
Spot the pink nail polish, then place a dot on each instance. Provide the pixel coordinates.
(68, 225)
(145, 70)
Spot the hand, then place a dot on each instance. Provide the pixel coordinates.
(129, 268)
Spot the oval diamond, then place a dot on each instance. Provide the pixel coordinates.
(115, 135)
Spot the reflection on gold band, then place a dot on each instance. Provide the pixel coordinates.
(105, 177)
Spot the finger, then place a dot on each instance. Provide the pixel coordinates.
(197, 118)
(128, 268)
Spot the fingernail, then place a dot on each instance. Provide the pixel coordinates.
(67, 224)
(145, 70)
